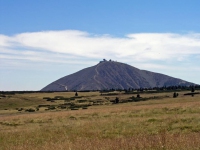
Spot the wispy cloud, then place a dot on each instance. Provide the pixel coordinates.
(42, 57)
(66, 46)
(78, 43)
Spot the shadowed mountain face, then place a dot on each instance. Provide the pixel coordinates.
(110, 74)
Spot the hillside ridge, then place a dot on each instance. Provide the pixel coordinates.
(113, 75)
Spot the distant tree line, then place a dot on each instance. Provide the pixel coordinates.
(128, 90)
(158, 89)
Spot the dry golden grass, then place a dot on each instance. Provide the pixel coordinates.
(169, 123)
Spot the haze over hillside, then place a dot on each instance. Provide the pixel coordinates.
(112, 75)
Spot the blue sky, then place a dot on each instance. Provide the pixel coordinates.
(43, 40)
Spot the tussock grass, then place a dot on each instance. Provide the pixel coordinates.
(170, 123)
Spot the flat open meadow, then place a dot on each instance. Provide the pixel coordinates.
(94, 121)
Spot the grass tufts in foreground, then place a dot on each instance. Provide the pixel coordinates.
(170, 124)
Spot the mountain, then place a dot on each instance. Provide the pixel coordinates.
(111, 74)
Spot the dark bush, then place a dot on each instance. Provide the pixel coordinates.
(116, 100)
(20, 109)
(174, 95)
(30, 110)
(74, 109)
(51, 107)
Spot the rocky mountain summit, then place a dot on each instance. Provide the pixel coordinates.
(112, 75)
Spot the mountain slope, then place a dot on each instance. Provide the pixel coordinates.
(110, 74)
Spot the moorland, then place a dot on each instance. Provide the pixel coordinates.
(100, 120)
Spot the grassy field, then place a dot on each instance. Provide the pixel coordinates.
(154, 121)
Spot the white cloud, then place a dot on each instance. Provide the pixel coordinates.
(64, 52)
(59, 46)
(4, 40)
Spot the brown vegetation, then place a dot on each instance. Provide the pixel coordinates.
(165, 123)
